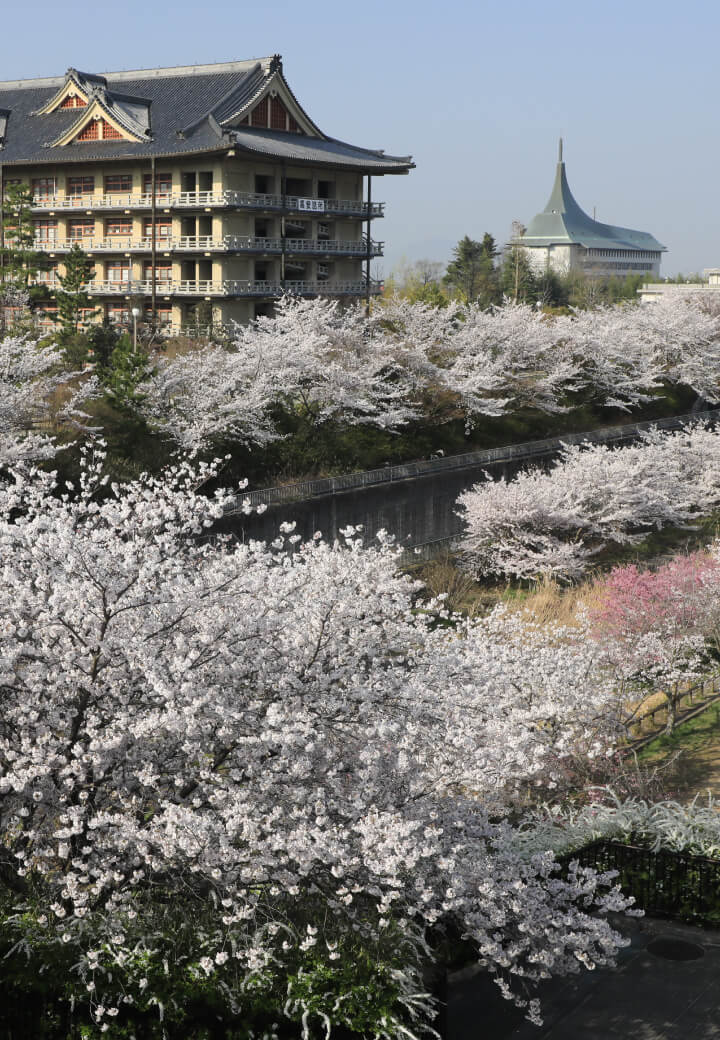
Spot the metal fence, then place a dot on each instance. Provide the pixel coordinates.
(427, 467)
(664, 883)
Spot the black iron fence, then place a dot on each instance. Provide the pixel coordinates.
(665, 883)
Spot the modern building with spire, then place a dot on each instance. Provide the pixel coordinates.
(564, 238)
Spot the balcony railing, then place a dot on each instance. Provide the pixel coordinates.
(206, 243)
(206, 200)
(231, 287)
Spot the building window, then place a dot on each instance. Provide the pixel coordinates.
(80, 185)
(260, 114)
(163, 271)
(163, 184)
(162, 314)
(45, 230)
(46, 316)
(83, 227)
(48, 275)
(118, 182)
(74, 101)
(43, 188)
(163, 229)
(118, 227)
(118, 270)
(117, 314)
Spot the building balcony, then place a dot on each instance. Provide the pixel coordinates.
(208, 244)
(206, 200)
(231, 288)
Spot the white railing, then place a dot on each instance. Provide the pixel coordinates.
(303, 288)
(205, 199)
(205, 243)
(231, 287)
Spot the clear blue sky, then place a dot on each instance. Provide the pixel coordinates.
(477, 92)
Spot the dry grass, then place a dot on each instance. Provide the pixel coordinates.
(547, 602)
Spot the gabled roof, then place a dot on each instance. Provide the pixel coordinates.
(170, 112)
(563, 222)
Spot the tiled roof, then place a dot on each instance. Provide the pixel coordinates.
(300, 148)
(175, 111)
(563, 221)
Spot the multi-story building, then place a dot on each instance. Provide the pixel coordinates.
(563, 237)
(203, 185)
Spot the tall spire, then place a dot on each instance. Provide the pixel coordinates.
(560, 158)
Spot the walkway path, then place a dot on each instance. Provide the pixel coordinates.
(647, 997)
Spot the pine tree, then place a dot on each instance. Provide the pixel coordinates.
(472, 273)
(73, 299)
(19, 260)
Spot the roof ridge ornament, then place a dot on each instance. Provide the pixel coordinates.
(560, 151)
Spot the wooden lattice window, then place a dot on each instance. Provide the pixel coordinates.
(74, 101)
(260, 113)
(91, 132)
(293, 125)
(99, 130)
(109, 132)
(118, 182)
(278, 114)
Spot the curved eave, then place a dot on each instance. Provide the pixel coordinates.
(300, 150)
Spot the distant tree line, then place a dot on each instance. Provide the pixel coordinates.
(482, 272)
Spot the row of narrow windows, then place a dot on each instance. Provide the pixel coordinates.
(626, 254)
(45, 188)
(624, 266)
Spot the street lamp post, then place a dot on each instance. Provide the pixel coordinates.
(135, 315)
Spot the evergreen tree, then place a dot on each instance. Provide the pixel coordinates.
(73, 299)
(19, 260)
(472, 273)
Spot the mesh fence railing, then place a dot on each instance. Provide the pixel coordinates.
(428, 467)
(664, 883)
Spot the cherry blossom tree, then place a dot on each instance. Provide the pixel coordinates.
(554, 522)
(319, 361)
(253, 777)
(36, 395)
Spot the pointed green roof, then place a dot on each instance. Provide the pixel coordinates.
(563, 222)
